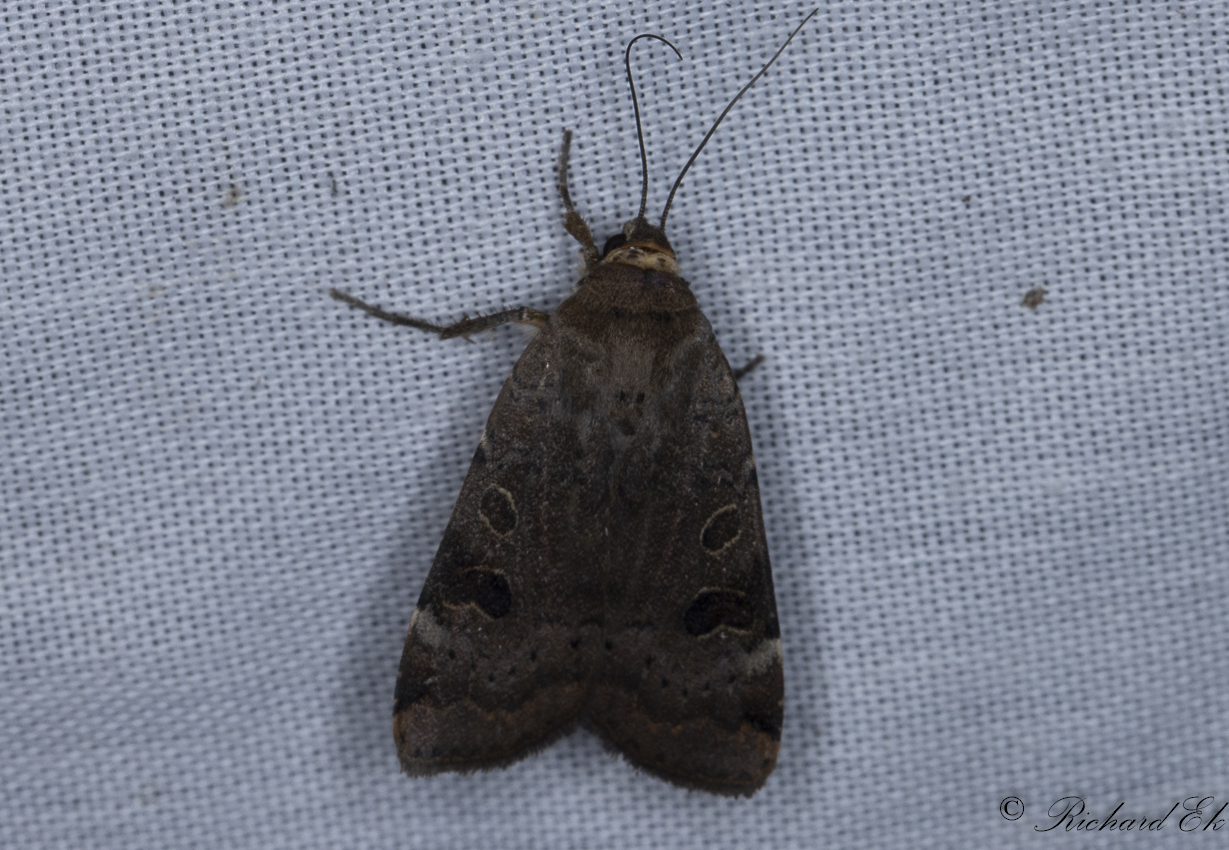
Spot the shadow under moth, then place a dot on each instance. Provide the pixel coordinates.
(605, 563)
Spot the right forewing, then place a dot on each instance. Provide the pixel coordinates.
(501, 646)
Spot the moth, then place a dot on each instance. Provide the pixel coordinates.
(605, 563)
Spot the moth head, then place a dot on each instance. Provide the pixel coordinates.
(641, 245)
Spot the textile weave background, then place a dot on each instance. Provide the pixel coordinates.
(999, 535)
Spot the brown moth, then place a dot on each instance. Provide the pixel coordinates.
(605, 563)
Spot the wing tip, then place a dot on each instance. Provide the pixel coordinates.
(462, 738)
(699, 755)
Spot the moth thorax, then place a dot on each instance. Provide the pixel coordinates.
(644, 256)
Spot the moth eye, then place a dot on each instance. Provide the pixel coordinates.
(721, 530)
(487, 590)
(613, 243)
(499, 510)
(718, 607)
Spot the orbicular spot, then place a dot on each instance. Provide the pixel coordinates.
(485, 589)
(715, 607)
(721, 530)
(498, 510)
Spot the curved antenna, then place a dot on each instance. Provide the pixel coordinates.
(644, 159)
(724, 113)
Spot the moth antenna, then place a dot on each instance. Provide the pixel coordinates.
(564, 154)
(644, 158)
(716, 123)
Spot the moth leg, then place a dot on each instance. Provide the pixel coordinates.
(478, 324)
(755, 361)
(572, 222)
(465, 327)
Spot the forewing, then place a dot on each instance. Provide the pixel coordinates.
(691, 684)
(502, 644)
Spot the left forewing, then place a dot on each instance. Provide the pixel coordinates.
(690, 682)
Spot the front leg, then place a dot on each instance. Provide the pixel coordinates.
(465, 327)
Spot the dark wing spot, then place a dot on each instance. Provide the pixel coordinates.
(410, 689)
(721, 530)
(498, 509)
(487, 590)
(766, 720)
(718, 607)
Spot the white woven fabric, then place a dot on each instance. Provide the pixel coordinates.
(999, 534)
